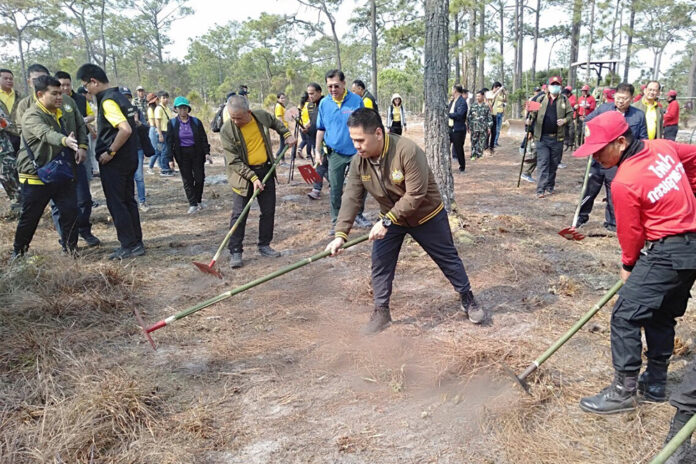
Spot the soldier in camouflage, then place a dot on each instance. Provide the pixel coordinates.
(9, 137)
(480, 123)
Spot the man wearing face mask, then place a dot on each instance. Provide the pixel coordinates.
(602, 176)
(547, 128)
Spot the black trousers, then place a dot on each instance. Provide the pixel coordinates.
(119, 190)
(670, 132)
(267, 203)
(457, 139)
(395, 128)
(192, 169)
(490, 139)
(436, 239)
(34, 201)
(684, 396)
(654, 295)
(598, 176)
(549, 152)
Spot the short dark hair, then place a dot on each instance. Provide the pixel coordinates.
(5, 70)
(316, 86)
(628, 135)
(366, 118)
(41, 83)
(655, 81)
(280, 94)
(163, 93)
(335, 73)
(37, 68)
(62, 75)
(91, 71)
(359, 83)
(481, 92)
(458, 88)
(625, 87)
(496, 84)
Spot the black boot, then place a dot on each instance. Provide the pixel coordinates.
(620, 396)
(653, 381)
(379, 321)
(678, 421)
(471, 308)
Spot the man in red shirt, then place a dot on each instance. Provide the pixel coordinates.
(586, 104)
(671, 118)
(655, 211)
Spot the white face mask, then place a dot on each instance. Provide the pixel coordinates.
(555, 89)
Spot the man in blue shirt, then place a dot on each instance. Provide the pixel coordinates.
(599, 176)
(332, 130)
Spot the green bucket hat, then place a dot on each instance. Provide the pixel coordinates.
(182, 101)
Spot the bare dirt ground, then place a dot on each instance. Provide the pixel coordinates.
(280, 374)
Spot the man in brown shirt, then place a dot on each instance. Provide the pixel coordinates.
(395, 172)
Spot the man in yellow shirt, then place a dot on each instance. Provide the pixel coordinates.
(368, 99)
(652, 109)
(280, 115)
(247, 148)
(9, 137)
(162, 117)
(117, 153)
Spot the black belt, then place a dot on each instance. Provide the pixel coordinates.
(683, 237)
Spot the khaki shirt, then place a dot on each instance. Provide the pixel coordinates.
(402, 183)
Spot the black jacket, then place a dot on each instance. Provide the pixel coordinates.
(127, 155)
(459, 114)
(200, 139)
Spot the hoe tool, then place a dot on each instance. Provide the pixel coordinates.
(247, 286)
(521, 379)
(210, 267)
(570, 233)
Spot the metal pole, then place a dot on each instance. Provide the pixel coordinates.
(675, 442)
(247, 286)
(582, 192)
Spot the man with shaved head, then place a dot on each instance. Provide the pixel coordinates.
(248, 156)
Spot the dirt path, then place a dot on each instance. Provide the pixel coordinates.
(280, 374)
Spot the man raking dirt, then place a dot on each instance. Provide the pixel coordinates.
(395, 171)
(656, 226)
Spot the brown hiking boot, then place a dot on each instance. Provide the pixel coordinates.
(379, 321)
(471, 308)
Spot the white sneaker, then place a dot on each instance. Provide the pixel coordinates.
(192, 209)
(144, 207)
(150, 171)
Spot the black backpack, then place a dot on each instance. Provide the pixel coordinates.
(218, 120)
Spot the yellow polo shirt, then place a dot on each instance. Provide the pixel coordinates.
(367, 101)
(164, 116)
(256, 149)
(8, 98)
(280, 113)
(651, 118)
(305, 114)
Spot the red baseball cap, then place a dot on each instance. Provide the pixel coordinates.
(569, 88)
(555, 80)
(672, 93)
(601, 131)
(585, 87)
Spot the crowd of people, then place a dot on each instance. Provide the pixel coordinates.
(53, 139)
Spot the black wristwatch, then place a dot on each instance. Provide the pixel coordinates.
(386, 222)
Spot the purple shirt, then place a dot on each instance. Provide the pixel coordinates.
(185, 133)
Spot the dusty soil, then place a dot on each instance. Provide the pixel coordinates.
(280, 373)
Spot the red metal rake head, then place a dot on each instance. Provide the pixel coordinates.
(569, 233)
(208, 269)
(309, 174)
(141, 323)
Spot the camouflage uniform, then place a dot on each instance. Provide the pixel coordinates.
(480, 122)
(8, 162)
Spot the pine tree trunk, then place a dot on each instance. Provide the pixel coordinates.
(536, 40)
(435, 89)
(457, 66)
(629, 41)
(482, 44)
(374, 48)
(691, 87)
(575, 41)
